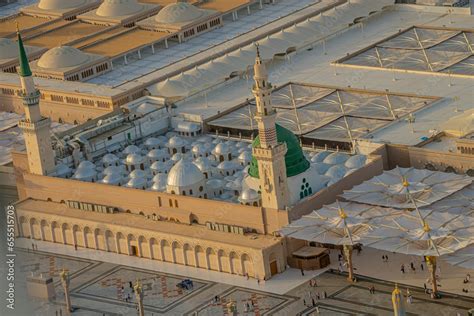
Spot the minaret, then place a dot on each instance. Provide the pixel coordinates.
(270, 154)
(36, 129)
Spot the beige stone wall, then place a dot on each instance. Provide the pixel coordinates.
(442, 161)
(398, 155)
(122, 239)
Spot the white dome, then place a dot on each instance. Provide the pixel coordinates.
(136, 183)
(245, 156)
(109, 159)
(203, 164)
(86, 174)
(62, 57)
(249, 195)
(8, 48)
(158, 154)
(228, 165)
(138, 173)
(215, 184)
(59, 4)
(132, 149)
(199, 149)
(86, 164)
(184, 174)
(113, 179)
(221, 149)
(162, 167)
(321, 167)
(154, 142)
(336, 158)
(113, 170)
(356, 162)
(336, 172)
(176, 142)
(319, 157)
(134, 159)
(113, 8)
(179, 12)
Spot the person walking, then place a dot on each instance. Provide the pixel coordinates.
(422, 267)
(402, 268)
(302, 272)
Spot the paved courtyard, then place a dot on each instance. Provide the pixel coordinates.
(100, 288)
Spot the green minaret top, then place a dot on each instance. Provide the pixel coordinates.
(25, 70)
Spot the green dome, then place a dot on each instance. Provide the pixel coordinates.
(295, 161)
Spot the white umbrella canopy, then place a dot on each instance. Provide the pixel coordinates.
(463, 258)
(428, 233)
(461, 202)
(402, 187)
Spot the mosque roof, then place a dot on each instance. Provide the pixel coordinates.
(8, 48)
(113, 8)
(179, 12)
(60, 4)
(63, 57)
(295, 161)
(184, 173)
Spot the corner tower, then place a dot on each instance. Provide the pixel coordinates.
(36, 129)
(267, 150)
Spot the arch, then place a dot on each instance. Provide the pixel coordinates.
(68, 238)
(470, 172)
(35, 229)
(247, 266)
(155, 252)
(89, 239)
(166, 251)
(234, 262)
(200, 257)
(121, 243)
(99, 239)
(223, 260)
(56, 232)
(178, 256)
(189, 258)
(143, 250)
(45, 230)
(24, 227)
(110, 243)
(193, 219)
(212, 260)
(430, 167)
(132, 246)
(450, 169)
(78, 236)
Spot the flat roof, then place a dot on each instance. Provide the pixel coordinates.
(141, 223)
(65, 35)
(125, 42)
(224, 6)
(99, 37)
(8, 26)
(308, 251)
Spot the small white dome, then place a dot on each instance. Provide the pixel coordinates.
(114, 8)
(215, 184)
(138, 173)
(356, 162)
(162, 167)
(134, 159)
(86, 164)
(184, 174)
(179, 12)
(221, 149)
(204, 139)
(176, 142)
(336, 172)
(319, 157)
(249, 195)
(157, 154)
(59, 4)
(336, 158)
(321, 167)
(203, 164)
(113, 179)
(154, 142)
(8, 48)
(136, 183)
(131, 149)
(160, 178)
(245, 157)
(228, 165)
(62, 57)
(113, 170)
(199, 149)
(109, 159)
(85, 174)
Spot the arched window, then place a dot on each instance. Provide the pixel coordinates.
(201, 188)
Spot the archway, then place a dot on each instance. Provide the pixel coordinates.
(24, 227)
(470, 172)
(122, 244)
(99, 239)
(189, 258)
(166, 253)
(56, 232)
(78, 236)
(223, 260)
(133, 249)
(46, 230)
(67, 234)
(143, 250)
(212, 260)
(273, 264)
(110, 243)
(450, 170)
(35, 229)
(235, 266)
(155, 252)
(89, 238)
(178, 256)
(200, 257)
(247, 266)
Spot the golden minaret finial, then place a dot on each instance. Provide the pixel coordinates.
(17, 27)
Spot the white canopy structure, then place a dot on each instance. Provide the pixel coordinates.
(391, 188)
(463, 258)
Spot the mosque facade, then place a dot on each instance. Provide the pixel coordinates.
(139, 182)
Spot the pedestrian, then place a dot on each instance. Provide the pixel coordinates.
(314, 303)
(386, 258)
(317, 310)
(304, 302)
(402, 268)
(325, 294)
(302, 272)
(424, 286)
(339, 257)
(75, 247)
(422, 267)
(318, 296)
(258, 281)
(33, 246)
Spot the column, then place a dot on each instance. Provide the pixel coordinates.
(65, 283)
